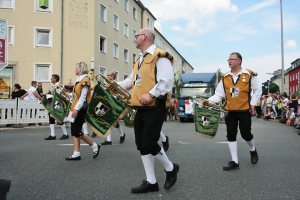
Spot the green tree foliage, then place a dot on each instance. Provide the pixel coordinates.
(273, 87)
(220, 74)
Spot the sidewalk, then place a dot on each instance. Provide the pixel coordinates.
(26, 127)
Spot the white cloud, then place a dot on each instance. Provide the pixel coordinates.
(176, 28)
(290, 44)
(259, 6)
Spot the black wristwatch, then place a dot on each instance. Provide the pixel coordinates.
(152, 96)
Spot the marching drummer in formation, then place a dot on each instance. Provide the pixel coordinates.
(55, 81)
(235, 87)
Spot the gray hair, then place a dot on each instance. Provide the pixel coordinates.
(83, 68)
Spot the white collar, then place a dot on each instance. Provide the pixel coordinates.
(149, 50)
(79, 78)
(243, 71)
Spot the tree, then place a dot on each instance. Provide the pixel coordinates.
(273, 87)
(219, 74)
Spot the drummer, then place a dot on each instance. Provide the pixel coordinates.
(235, 87)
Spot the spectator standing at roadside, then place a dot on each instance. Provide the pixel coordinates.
(258, 108)
(18, 91)
(269, 100)
(275, 106)
(39, 89)
(293, 101)
(263, 105)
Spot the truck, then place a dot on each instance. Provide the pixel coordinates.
(191, 86)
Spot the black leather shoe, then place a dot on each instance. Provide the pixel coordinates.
(4, 188)
(51, 138)
(75, 158)
(166, 144)
(145, 187)
(96, 153)
(64, 137)
(122, 139)
(254, 156)
(106, 143)
(231, 166)
(171, 177)
(94, 134)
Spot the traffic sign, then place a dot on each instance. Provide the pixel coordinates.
(3, 44)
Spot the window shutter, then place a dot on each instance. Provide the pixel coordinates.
(44, 4)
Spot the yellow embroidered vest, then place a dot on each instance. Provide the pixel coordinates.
(77, 91)
(238, 94)
(144, 79)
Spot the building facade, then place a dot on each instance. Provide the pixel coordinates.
(50, 36)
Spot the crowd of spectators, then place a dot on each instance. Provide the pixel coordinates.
(280, 106)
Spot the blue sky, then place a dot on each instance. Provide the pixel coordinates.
(205, 32)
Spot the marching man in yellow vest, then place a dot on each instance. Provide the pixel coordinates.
(236, 87)
(151, 82)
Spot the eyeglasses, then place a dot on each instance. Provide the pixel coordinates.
(137, 35)
(231, 59)
(109, 75)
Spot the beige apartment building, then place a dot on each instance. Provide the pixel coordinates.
(48, 37)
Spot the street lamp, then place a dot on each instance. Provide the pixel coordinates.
(282, 59)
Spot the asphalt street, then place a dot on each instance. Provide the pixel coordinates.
(38, 168)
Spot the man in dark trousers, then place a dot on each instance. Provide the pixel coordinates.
(151, 82)
(235, 87)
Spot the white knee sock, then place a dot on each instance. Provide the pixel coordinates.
(108, 139)
(76, 154)
(233, 150)
(162, 137)
(120, 131)
(164, 160)
(84, 128)
(251, 145)
(52, 129)
(63, 127)
(148, 162)
(94, 147)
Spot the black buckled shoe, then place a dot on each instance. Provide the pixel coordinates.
(96, 153)
(166, 144)
(122, 138)
(51, 138)
(73, 158)
(106, 143)
(94, 134)
(4, 188)
(64, 137)
(231, 166)
(145, 187)
(171, 177)
(254, 156)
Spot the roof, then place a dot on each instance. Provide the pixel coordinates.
(197, 77)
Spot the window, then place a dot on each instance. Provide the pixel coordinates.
(102, 12)
(158, 42)
(126, 30)
(11, 35)
(102, 70)
(102, 44)
(133, 57)
(116, 22)
(134, 12)
(116, 50)
(126, 5)
(133, 35)
(43, 37)
(126, 55)
(7, 4)
(149, 23)
(117, 76)
(43, 72)
(125, 76)
(44, 5)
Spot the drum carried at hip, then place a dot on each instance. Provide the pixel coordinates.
(108, 105)
(207, 116)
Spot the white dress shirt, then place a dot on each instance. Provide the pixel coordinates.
(164, 76)
(84, 92)
(255, 85)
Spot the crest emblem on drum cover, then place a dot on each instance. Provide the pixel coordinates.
(101, 109)
(57, 105)
(234, 92)
(205, 120)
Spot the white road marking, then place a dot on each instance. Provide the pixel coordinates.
(180, 142)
